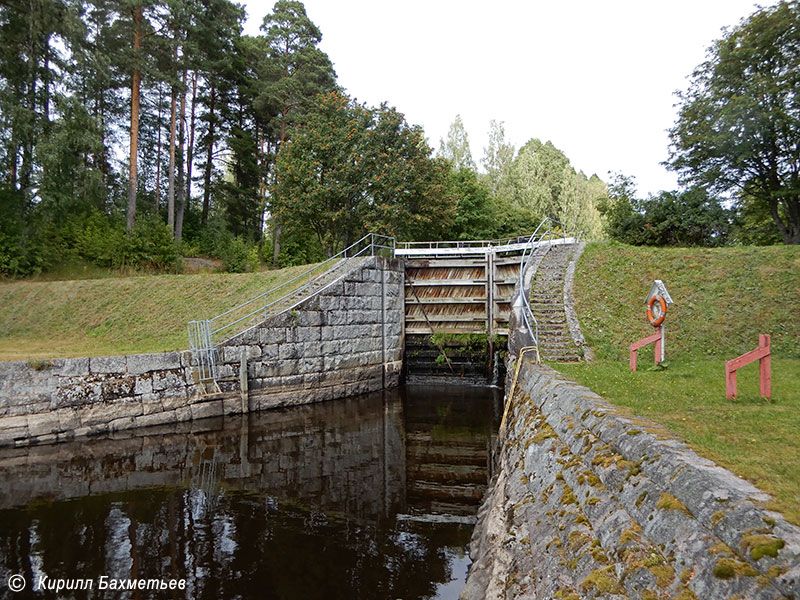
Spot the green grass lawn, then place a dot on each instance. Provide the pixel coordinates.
(723, 299)
(118, 315)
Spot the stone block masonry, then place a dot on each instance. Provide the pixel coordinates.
(345, 339)
(589, 502)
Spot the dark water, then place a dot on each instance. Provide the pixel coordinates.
(368, 497)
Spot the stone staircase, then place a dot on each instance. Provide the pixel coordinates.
(547, 304)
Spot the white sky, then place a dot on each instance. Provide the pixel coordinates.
(597, 78)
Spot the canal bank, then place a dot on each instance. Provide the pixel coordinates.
(589, 502)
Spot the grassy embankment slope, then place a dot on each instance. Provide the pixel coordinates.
(118, 315)
(723, 299)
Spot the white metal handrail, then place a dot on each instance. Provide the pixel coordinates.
(205, 334)
(461, 243)
(540, 241)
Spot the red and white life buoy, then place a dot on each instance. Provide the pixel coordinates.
(655, 321)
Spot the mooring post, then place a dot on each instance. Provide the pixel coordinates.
(243, 383)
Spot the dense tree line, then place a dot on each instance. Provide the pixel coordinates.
(738, 127)
(134, 131)
(517, 189)
(130, 123)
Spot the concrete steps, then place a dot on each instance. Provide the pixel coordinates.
(547, 304)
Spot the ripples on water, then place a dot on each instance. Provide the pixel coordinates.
(367, 497)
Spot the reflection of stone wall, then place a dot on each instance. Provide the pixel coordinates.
(344, 340)
(589, 502)
(345, 457)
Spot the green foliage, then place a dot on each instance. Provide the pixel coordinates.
(296, 69)
(95, 238)
(20, 253)
(455, 149)
(688, 218)
(68, 180)
(738, 123)
(300, 246)
(103, 241)
(753, 224)
(497, 157)
(475, 216)
(240, 256)
(349, 169)
(542, 182)
(239, 199)
(460, 340)
(150, 245)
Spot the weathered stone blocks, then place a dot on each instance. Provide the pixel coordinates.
(625, 509)
(108, 364)
(345, 340)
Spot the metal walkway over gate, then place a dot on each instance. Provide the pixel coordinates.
(467, 286)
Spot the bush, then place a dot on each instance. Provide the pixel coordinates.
(686, 218)
(214, 239)
(94, 238)
(150, 245)
(240, 256)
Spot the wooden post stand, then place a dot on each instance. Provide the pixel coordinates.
(760, 354)
(657, 337)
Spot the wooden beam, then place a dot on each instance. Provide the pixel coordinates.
(444, 329)
(447, 300)
(437, 282)
(439, 263)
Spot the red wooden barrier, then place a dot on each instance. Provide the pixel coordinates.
(657, 337)
(760, 354)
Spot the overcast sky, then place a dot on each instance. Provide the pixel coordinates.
(597, 78)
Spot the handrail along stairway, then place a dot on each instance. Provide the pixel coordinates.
(548, 233)
(205, 335)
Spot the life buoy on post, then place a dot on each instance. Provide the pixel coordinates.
(655, 321)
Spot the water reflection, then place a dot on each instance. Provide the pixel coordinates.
(369, 497)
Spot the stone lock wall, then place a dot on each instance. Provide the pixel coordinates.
(345, 339)
(591, 503)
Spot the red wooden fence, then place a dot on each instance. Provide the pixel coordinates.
(657, 337)
(760, 354)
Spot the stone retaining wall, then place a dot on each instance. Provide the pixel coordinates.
(591, 503)
(345, 339)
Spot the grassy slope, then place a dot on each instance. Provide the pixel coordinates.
(95, 317)
(723, 299)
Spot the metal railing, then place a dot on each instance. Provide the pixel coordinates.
(462, 243)
(539, 243)
(206, 334)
